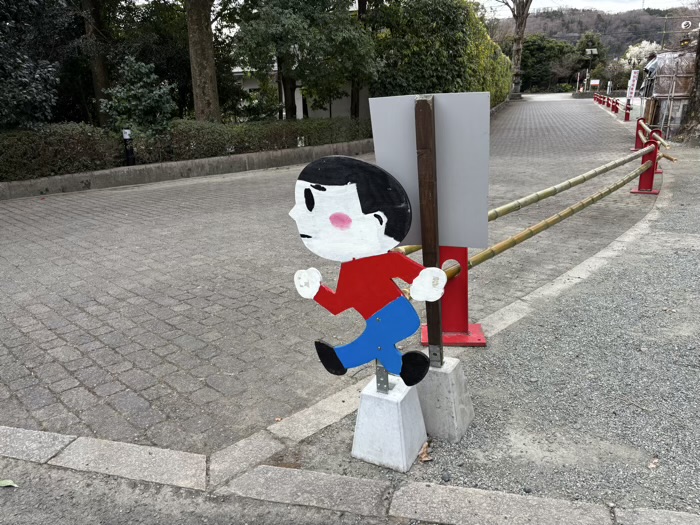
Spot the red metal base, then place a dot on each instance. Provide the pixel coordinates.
(475, 337)
(641, 192)
(659, 171)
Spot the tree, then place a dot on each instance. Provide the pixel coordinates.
(638, 55)
(156, 33)
(520, 9)
(544, 62)
(202, 63)
(28, 81)
(315, 42)
(422, 46)
(139, 99)
(340, 50)
(95, 41)
(591, 40)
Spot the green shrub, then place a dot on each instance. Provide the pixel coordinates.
(140, 99)
(58, 149)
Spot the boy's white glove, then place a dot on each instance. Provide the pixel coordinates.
(429, 285)
(308, 282)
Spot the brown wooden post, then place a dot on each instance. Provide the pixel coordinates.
(427, 189)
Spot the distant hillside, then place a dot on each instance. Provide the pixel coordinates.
(618, 30)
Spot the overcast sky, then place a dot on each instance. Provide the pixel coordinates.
(612, 6)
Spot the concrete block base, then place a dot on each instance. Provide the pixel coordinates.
(390, 430)
(446, 403)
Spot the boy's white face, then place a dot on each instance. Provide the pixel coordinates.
(331, 223)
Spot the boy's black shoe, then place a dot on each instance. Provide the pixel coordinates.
(414, 367)
(329, 359)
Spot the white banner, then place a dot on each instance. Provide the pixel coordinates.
(632, 86)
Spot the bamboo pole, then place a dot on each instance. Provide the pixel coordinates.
(406, 250)
(661, 140)
(519, 204)
(530, 232)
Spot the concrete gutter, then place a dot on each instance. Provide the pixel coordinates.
(164, 171)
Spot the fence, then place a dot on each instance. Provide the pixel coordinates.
(455, 319)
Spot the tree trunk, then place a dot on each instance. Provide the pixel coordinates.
(94, 31)
(202, 65)
(691, 122)
(289, 86)
(518, 55)
(355, 86)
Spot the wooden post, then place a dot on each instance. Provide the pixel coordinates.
(427, 189)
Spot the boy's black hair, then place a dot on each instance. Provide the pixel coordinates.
(378, 189)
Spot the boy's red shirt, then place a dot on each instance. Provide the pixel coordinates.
(366, 284)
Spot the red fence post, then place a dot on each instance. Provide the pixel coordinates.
(456, 330)
(646, 179)
(608, 101)
(638, 144)
(657, 133)
(628, 109)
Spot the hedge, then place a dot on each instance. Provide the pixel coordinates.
(57, 149)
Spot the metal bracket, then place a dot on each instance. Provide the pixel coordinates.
(436, 356)
(383, 385)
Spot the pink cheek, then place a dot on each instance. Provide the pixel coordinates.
(341, 221)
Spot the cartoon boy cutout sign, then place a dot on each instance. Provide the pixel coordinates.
(354, 212)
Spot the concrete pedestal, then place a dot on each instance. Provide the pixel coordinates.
(446, 403)
(390, 430)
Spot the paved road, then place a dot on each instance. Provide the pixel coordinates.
(165, 314)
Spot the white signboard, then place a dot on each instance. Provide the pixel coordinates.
(632, 86)
(595, 82)
(462, 132)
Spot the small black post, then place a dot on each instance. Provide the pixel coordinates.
(128, 147)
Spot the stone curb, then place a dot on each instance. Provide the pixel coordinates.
(165, 171)
(312, 489)
(31, 445)
(157, 465)
(172, 467)
(433, 503)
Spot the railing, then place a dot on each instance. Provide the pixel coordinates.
(649, 154)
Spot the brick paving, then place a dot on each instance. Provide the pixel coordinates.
(165, 314)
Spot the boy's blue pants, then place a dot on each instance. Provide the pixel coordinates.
(392, 324)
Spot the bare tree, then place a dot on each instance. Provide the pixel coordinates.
(201, 40)
(520, 9)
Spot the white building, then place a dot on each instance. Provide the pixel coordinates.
(339, 107)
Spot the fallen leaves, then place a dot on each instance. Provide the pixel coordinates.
(423, 455)
(7, 483)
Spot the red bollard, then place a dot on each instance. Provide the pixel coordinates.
(608, 101)
(456, 330)
(646, 179)
(616, 106)
(657, 133)
(638, 144)
(628, 110)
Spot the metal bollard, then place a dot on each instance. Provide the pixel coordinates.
(608, 102)
(628, 110)
(128, 147)
(646, 179)
(456, 329)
